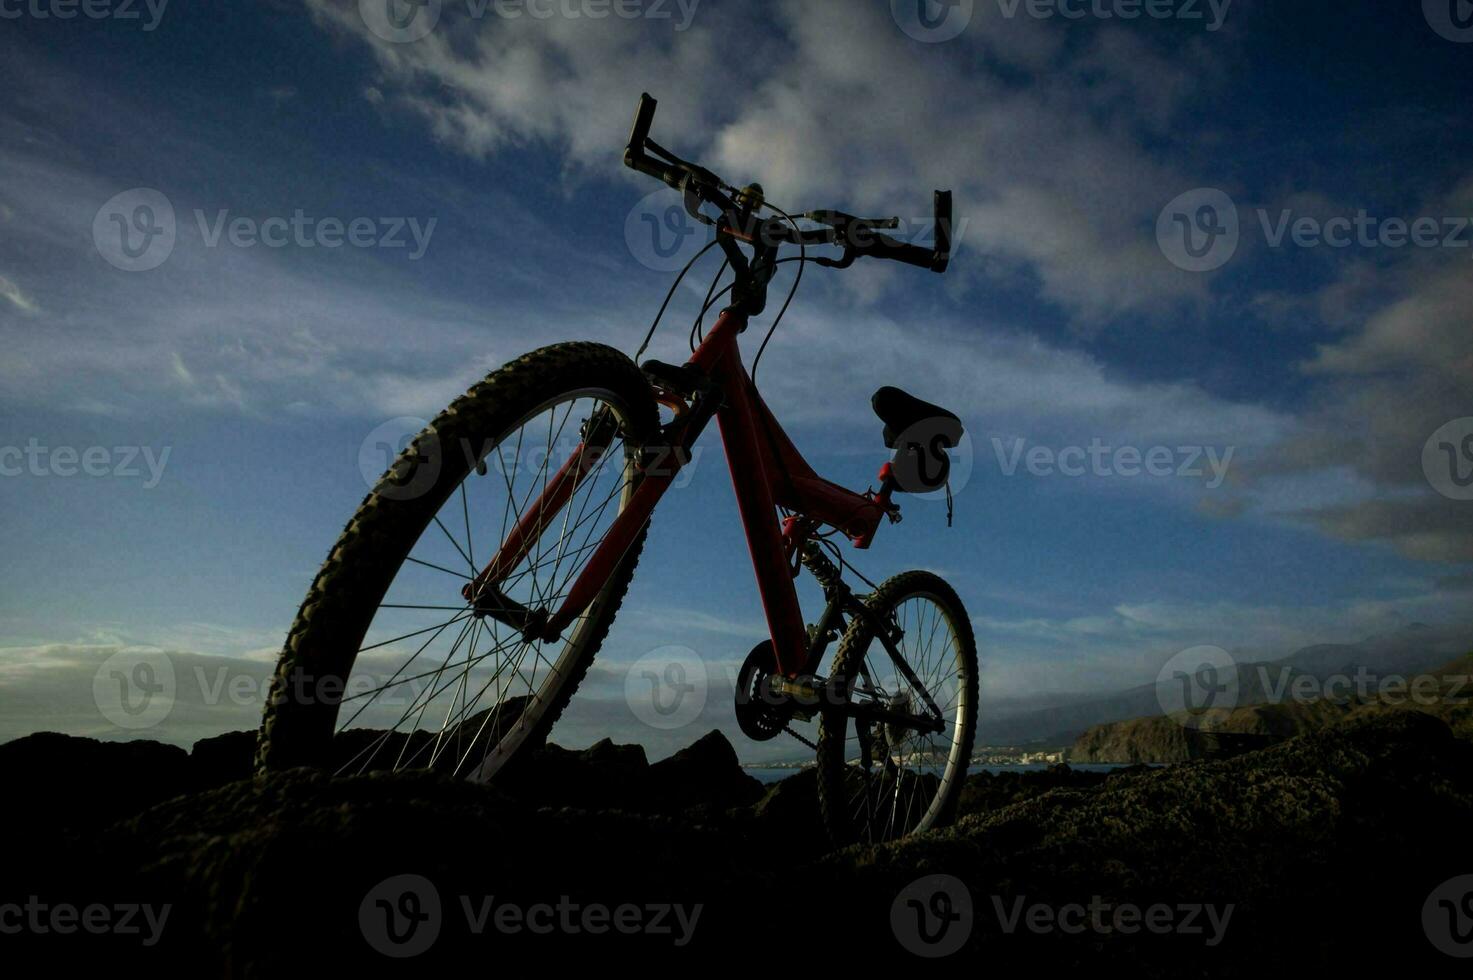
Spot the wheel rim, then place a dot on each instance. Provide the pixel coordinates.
(896, 780)
(435, 685)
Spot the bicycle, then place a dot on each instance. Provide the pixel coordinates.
(896, 711)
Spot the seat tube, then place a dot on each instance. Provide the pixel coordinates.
(751, 479)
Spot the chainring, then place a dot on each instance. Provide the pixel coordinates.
(760, 715)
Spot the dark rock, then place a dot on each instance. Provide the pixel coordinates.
(1325, 846)
(705, 774)
(1336, 834)
(271, 873)
(64, 781)
(604, 776)
(788, 811)
(222, 759)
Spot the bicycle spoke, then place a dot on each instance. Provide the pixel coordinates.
(484, 682)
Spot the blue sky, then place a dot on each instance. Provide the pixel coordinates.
(1064, 320)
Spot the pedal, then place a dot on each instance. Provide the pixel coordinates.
(805, 692)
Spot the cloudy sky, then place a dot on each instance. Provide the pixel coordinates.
(1230, 238)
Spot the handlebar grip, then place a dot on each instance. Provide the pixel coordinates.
(885, 247)
(635, 156)
(941, 258)
(936, 258)
(644, 117)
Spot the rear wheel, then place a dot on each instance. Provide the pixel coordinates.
(389, 665)
(881, 781)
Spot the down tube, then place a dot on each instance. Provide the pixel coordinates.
(753, 485)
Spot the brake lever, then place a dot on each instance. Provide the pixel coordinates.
(843, 262)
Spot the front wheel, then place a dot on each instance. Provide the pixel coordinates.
(880, 780)
(391, 664)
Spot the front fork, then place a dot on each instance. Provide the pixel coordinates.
(657, 469)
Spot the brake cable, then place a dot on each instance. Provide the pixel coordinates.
(668, 297)
(802, 259)
(696, 333)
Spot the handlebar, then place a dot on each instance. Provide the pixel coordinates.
(857, 236)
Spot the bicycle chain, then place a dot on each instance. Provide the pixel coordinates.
(805, 741)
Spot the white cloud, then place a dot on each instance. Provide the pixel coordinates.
(10, 291)
(1050, 173)
(1125, 647)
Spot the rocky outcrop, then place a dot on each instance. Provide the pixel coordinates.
(1320, 851)
(1223, 733)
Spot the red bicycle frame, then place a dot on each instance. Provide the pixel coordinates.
(767, 472)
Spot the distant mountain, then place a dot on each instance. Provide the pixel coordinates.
(1408, 651)
(1223, 732)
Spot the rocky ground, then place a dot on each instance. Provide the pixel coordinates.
(1315, 854)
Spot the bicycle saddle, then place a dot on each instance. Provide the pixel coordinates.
(902, 412)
